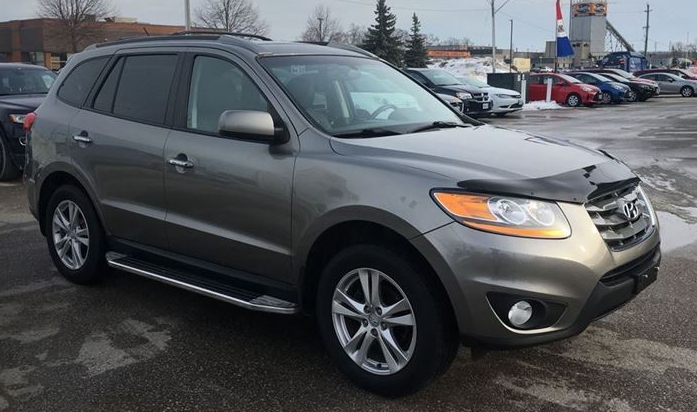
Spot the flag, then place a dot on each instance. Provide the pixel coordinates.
(564, 48)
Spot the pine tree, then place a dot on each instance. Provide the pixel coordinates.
(416, 54)
(381, 39)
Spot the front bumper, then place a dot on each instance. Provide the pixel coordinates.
(474, 107)
(507, 105)
(473, 265)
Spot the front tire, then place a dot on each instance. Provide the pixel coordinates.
(75, 237)
(607, 98)
(8, 170)
(687, 91)
(573, 100)
(387, 327)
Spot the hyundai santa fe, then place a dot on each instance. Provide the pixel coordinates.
(273, 176)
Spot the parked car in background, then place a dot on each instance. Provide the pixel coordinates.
(672, 84)
(22, 89)
(565, 90)
(622, 73)
(613, 92)
(453, 101)
(627, 61)
(476, 101)
(682, 73)
(642, 90)
(504, 101)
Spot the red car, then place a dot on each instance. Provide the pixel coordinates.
(565, 90)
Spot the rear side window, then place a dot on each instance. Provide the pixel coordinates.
(144, 87)
(77, 85)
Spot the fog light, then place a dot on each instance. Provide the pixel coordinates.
(520, 313)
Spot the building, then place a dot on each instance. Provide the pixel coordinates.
(39, 41)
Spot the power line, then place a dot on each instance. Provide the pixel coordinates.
(646, 38)
(411, 8)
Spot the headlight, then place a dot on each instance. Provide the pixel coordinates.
(588, 89)
(646, 87)
(18, 118)
(646, 203)
(619, 88)
(463, 95)
(506, 215)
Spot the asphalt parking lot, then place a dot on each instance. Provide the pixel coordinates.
(133, 344)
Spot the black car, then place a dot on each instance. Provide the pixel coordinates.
(22, 89)
(476, 101)
(644, 91)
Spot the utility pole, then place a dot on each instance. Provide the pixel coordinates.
(187, 15)
(646, 39)
(321, 36)
(494, 10)
(510, 63)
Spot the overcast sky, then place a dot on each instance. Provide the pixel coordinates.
(534, 19)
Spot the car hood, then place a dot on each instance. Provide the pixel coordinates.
(454, 88)
(25, 102)
(497, 90)
(621, 85)
(493, 160)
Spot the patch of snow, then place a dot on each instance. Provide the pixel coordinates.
(542, 105)
(477, 67)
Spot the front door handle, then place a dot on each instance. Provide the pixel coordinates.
(179, 162)
(83, 137)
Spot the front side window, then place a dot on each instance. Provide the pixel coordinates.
(216, 86)
(144, 87)
(440, 77)
(80, 80)
(347, 96)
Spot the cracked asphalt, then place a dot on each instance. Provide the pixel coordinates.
(131, 344)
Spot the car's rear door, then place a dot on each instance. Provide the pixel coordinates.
(536, 90)
(232, 204)
(118, 139)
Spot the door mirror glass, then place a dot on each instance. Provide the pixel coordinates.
(251, 125)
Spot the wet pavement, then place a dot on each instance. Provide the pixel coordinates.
(133, 344)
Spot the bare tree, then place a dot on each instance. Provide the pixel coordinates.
(75, 21)
(355, 34)
(231, 15)
(321, 26)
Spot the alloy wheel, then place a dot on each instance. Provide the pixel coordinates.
(573, 100)
(607, 98)
(687, 91)
(374, 321)
(70, 233)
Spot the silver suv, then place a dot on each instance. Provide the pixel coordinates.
(289, 177)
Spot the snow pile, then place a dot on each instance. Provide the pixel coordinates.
(477, 67)
(541, 105)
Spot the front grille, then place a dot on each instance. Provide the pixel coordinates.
(633, 268)
(619, 230)
(481, 97)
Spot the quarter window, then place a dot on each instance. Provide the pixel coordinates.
(216, 86)
(105, 98)
(144, 87)
(78, 84)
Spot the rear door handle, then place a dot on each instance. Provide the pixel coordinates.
(180, 163)
(83, 137)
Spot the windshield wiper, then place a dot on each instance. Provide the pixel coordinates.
(370, 132)
(439, 124)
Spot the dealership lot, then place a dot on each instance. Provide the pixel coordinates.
(133, 344)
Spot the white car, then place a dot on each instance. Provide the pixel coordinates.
(504, 101)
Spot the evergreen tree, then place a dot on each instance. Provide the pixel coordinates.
(381, 39)
(416, 54)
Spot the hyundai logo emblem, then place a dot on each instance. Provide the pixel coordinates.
(630, 210)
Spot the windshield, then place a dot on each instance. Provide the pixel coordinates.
(440, 77)
(472, 81)
(20, 80)
(615, 77)
(568, 78)
(352, 95)
(602, 77)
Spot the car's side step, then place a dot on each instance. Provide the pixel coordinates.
(230, 294)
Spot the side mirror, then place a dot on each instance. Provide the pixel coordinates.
(251, 125)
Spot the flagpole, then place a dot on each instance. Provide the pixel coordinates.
(556, 40)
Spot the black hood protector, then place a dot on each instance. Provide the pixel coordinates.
(576, 186)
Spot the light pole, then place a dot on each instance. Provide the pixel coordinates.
(494, 10)
(321, 36)
(510, 63)
(187, 15)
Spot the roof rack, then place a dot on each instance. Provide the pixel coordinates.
(342, 46)
(221, 33)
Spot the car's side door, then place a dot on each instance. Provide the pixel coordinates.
(668, 83)
(118, 139)
(231, 204)
(536, 90)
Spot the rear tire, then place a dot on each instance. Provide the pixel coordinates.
(434, 331)
(687, 91)
(8, 170)
(573, 100)
(74, 236)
